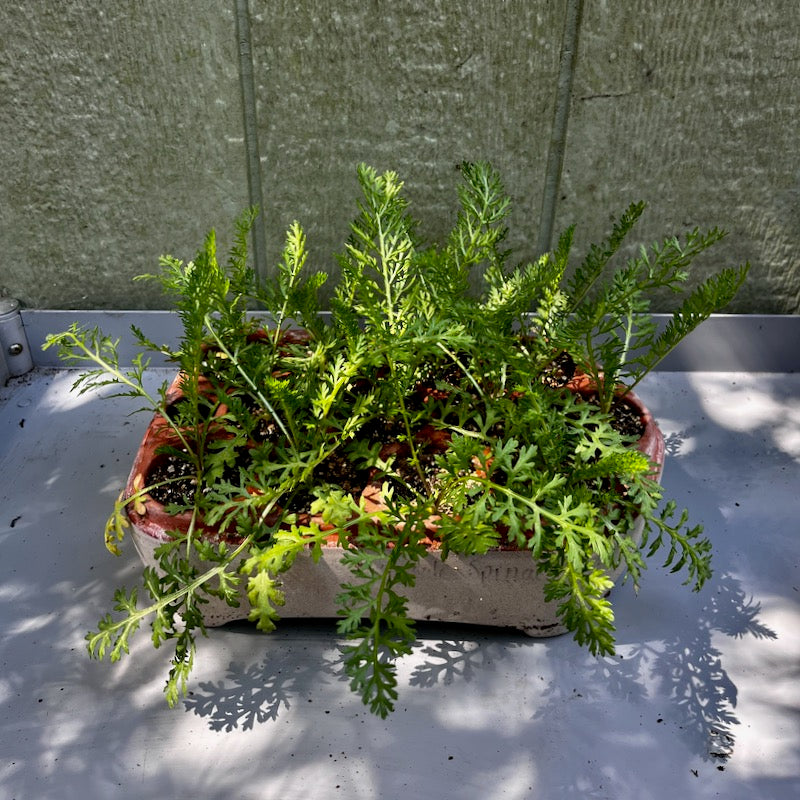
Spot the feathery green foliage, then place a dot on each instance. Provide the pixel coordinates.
(449, 340)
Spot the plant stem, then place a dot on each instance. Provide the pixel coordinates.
(235, 361)
(407, 426)
(387, 282)
(466, 372)
(186, 590)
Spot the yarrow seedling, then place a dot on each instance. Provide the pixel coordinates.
(454, 402)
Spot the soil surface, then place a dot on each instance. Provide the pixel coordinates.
(339, 471)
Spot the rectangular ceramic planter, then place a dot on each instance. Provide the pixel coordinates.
(500, 588)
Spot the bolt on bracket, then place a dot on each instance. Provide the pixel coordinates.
(15, 353)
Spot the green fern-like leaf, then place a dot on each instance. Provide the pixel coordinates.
(594, 264)
(584, 608)
(710, 297)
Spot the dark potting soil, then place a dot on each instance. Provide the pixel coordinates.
(560, 371)
(181, 477)
(338, 470)
(406, 480)
(625, 419)
(168, 468)
(264, 427)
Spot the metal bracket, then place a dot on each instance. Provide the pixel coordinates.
(15, 353)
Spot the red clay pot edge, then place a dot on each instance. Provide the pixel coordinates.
(651, 442)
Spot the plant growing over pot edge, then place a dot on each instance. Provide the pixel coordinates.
(422, 416)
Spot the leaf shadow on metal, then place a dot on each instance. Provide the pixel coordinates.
(258, 691)
(686, 669)
(450, 659)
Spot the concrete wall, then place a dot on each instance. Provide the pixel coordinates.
(123, 129)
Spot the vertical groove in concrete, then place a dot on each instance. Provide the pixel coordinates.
(558, 136)
(253, 153)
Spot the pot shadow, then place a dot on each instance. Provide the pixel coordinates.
(686, 668)
(683, 667)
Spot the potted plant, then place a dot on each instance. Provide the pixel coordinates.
(452, 409)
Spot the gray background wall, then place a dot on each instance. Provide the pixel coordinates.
(123, 133)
